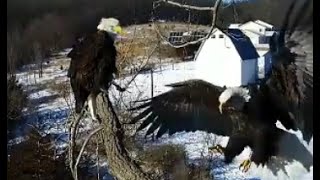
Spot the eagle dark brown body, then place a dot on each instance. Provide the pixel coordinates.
(92, 68)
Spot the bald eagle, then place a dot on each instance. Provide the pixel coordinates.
(92, 67)
(246, 115)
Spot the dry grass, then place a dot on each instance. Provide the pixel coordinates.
(142, 39)
(35, 159)
(62, 88)
(170, 162)
(16, 101)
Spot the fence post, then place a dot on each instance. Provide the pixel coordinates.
(151, 71)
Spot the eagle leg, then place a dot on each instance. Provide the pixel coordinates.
(235, 146)
(93, 107)
(118, 87)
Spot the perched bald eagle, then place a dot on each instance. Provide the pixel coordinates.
(248, 116)
(92, 67)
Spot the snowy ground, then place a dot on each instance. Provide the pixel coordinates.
(51, 112)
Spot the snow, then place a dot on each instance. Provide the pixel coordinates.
(51, 113)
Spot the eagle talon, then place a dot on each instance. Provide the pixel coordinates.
(216, 149)
(246, 164)
(98, 119)
(121, 89)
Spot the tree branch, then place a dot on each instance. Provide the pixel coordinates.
(72, 138)
(75, 168)
(215, 13)
(213, 25)
(183, 5)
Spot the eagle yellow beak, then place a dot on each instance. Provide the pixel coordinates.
(220, 108)
(117, 29)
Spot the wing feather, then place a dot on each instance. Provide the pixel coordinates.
(162, 130)
(143, 114)
(292, 73)
(189, 106)
(150, 119)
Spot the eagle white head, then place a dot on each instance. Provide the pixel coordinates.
(111, 26)
(233, 91)
(108, 24)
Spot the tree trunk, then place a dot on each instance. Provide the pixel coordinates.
(120, 164)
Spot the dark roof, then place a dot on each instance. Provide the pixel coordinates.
(242, 43)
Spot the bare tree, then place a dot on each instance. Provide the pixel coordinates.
(13, 52)
(38, 57)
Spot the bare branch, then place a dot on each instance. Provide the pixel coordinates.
(215, 13)
(141, 68)
(213, 25)
(72, 143)
(82, 150)
(184, 6)
(178, 46)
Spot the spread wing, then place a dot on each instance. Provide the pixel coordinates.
(191, 105)
(292, 72)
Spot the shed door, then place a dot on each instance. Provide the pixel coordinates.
(261, 69)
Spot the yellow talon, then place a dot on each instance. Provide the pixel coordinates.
(216, 149)
(246, 164)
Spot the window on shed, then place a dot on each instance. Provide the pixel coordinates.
(213, 36)
(268, 29)
(264, 40)
(220, 35)
(260, 30)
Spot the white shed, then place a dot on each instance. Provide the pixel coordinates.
(258, 31)
(227, 59)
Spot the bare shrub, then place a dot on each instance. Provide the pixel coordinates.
(170, 162)
(16, 100)
(63, 88)
(13, 50)
(36, 159)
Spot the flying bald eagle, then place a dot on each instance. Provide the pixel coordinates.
(291, 81)
(247, 116)
(92, 67)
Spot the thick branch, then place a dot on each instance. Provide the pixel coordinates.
(120, 164)
(215, 12)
